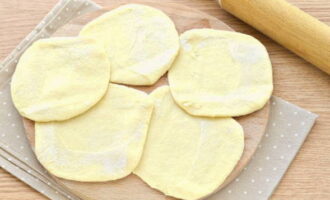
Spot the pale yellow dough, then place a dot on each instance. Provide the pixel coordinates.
(141, 42)
(220, 74)
(188, 157)
(60, 78)
(103, 144)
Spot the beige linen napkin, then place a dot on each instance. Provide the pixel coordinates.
(44, 184)
(288, 126)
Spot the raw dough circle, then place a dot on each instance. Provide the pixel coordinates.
(103, 144)
(60, 78)
(188, 157)
(220, 74)
(141, 43)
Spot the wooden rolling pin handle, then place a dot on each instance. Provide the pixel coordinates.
(288, 25)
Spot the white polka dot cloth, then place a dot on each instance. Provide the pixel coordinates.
(287, 129)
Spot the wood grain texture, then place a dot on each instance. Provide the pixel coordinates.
(133, 187)
(295, 80)
(288, 25)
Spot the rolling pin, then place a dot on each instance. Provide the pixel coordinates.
(294, 29)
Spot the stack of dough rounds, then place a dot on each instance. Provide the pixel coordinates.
(60, 78)
(141, 43)
(103, 144)
(193, 144)
(188, 157)
(220, 74)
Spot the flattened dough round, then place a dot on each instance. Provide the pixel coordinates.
(59, 78)
(188, 157)
(103, 144)
(220, 74)
(141, 42)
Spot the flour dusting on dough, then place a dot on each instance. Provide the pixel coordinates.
(185, 45)
(246, 53)
(203, 130)
(36, 109)
(138, 133)
(116, 163)
(220, 74)
(154, 64)
(48, 72)
(103, 144)
(183, 155)
(142, 45)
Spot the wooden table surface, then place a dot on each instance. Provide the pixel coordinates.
(308, 178)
